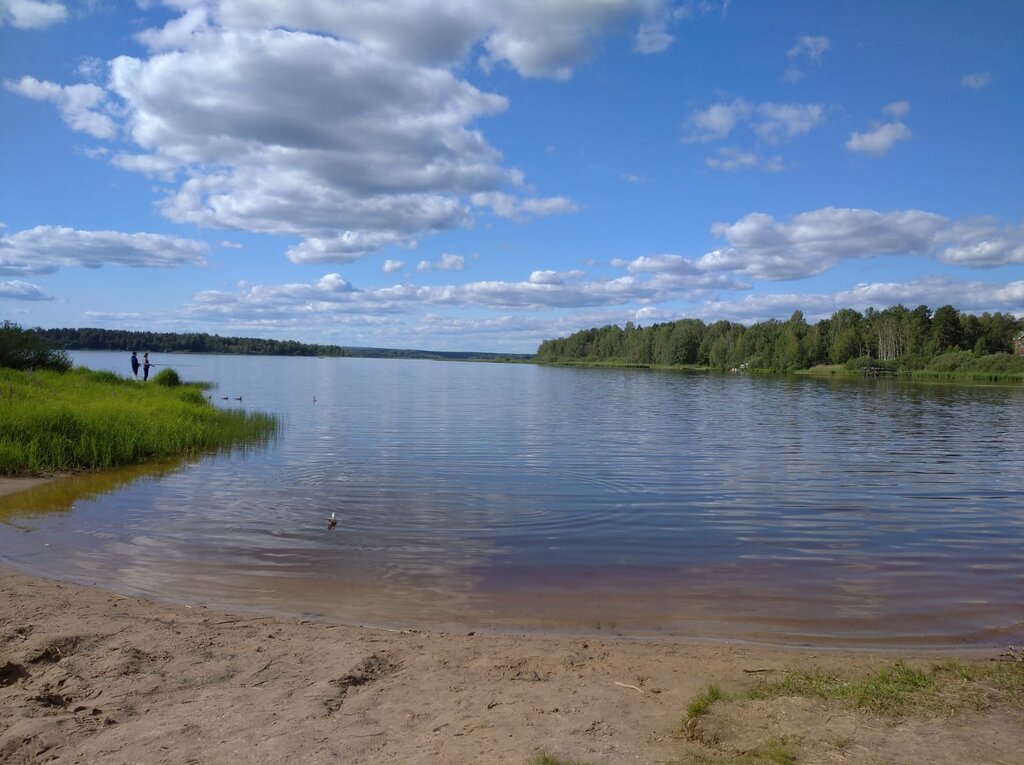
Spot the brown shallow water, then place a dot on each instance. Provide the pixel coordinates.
(516, 498)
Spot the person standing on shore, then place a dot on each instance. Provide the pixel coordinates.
(145, 366)
(135, 365)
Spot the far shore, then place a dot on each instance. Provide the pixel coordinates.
(91, 676)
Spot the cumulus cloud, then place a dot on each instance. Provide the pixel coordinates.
(983, 243)
(716, 121)
(80, 105)
(898, 109)
(447, 262)
(31, 14)
(333, 299)
(883, 137)
(46, 249)
(537, 38)
(731, 159)
(771, 122)
(975, 81)
(973, 297)
(555, 277)
(776, 122)
(19, 290)
(880, 140)
(346, 247)
(391, 266)
(807, 53)
(811, 243)
(337, 123)
(521, 209)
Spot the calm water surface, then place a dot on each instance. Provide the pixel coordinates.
(516, 497)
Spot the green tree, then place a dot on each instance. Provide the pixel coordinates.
(845, 340)
(946, 330)
(20, 349)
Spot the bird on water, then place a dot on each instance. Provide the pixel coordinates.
(332, 522)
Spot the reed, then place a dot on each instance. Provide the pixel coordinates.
(85, 420)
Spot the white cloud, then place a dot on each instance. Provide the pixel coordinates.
(730, 159)
(78, 104)
(883, 137)
(92, 68)
(880, 140)
(346, 247)
(392, 266)
(19, 290)
(776, 122)
(343, 124)
(811, 243)
(981, 243)
(973, 297)
(520, 209)
(31, 14)
(771, 122)
(447, 262)
(808, 46)
(45, 249)
(898, 109)
(555, 277)
(807, 53)
(652, 37)
(976, 81)
(716, 121)
(543, 290)
(537, 38)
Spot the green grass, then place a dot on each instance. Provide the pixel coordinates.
(84, 420)
(899, 689)
(702, 703)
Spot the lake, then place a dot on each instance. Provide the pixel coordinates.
(506, 497)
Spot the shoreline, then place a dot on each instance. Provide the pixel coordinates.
(90, 676)
(87, 675)
(13, 485)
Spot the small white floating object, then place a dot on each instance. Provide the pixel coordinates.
(332, 522)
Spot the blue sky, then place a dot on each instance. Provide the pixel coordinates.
(479, 175)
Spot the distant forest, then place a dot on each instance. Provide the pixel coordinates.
(93, 339)
(897, 338)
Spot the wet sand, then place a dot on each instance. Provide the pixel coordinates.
(15, 485)
(87, 676)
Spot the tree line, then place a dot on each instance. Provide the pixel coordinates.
(95, 339)
(898, 338)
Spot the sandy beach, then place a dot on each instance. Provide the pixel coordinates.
(87, 676)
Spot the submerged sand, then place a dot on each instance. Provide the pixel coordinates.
(87, 676)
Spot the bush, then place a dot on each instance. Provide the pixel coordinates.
(193, 396)
(951, 362)
(859, 363)
(168, 378)
(20, 349)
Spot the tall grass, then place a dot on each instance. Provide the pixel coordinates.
(85, 420)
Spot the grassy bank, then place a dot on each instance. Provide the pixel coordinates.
(85, 420)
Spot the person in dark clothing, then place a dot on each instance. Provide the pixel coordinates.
(145, 366)
(135, 366)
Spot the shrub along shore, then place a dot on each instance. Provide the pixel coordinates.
(53, 422)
